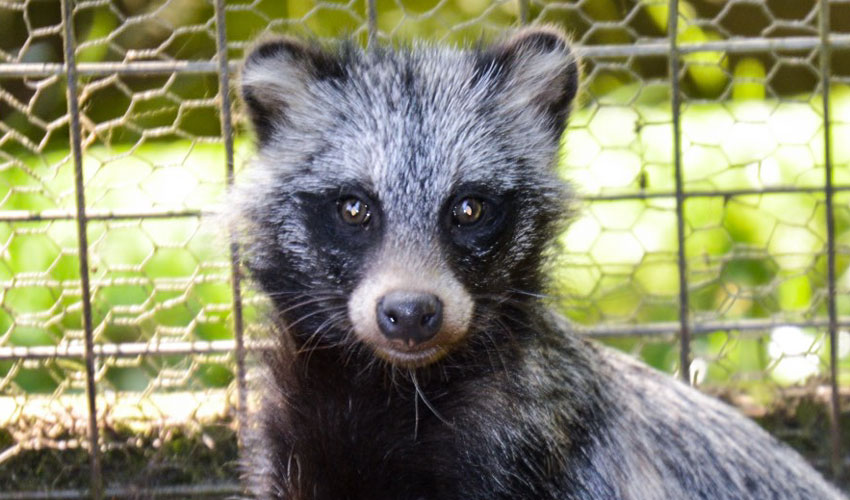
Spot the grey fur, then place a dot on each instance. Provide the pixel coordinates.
(514, 405)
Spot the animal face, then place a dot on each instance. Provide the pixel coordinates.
(400, 197)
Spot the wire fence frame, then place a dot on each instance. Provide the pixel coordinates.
(221, 66)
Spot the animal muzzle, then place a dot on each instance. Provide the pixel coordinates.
(410, 314)
(409, 318)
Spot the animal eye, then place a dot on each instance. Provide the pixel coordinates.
(467, 211)
(354, 211)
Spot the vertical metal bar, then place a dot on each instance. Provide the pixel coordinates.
(372, 20)
(523, 12)
(96, 480)
(235, 274)
(684, 321)
(825, 63)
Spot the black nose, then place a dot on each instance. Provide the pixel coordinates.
(412, 317)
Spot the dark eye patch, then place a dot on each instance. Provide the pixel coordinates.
(481, 225)
(341, 245)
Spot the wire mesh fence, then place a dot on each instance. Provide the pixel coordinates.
(710, 149)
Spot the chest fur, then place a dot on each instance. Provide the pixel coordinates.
(336, 437)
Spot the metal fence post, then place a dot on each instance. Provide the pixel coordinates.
(96, 480)
(835, 410)
(675, 97)
(226, 117)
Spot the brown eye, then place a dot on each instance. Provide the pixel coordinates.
(354, 211)
(467, 211)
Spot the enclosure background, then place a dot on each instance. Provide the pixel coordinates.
(710, 149)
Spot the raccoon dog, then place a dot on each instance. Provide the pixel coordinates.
(401, 204)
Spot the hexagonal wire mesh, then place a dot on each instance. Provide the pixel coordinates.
(710, 151)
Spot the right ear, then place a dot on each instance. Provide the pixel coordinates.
(535, 68)
(276, 78)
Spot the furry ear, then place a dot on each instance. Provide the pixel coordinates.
(276, 77)
(536, 67)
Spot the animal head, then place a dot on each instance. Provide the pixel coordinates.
(401, 197)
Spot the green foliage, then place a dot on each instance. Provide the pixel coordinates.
(748, 256)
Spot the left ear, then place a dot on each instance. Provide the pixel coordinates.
(535, 67)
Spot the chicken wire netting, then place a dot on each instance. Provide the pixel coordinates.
(710, 148)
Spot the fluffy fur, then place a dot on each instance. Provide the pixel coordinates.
(505, 402)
